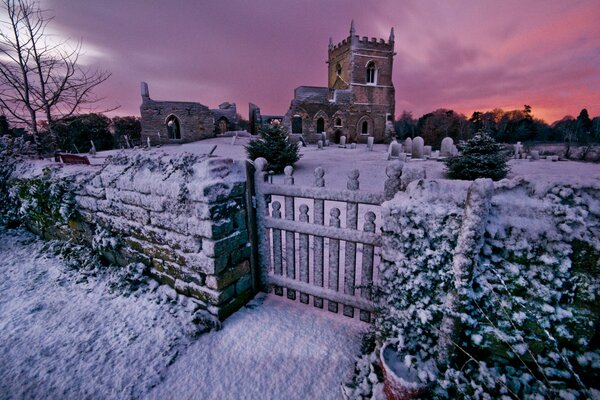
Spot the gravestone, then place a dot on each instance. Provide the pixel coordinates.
(435, 154)
(417, 147)
(342, 142)
(326, 143)
(454, 150)
(446, 147)
(394, 150)
(320, 145)
(93, 148)
(370, 141)
(518, 148)
(408, 145)
(535, 155)
(427, 151)
(352, 145)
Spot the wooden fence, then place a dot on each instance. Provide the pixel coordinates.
(299, 250)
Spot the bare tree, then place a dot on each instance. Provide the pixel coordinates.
(39, 76)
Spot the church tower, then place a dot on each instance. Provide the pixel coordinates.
(363, 65)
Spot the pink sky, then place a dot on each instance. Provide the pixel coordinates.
(463, 55)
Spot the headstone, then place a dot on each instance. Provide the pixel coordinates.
(446, 147)
(148, 146)
(326, 143)
(417, 147)
(352, 145)
(234, 139)
(342, 141)
(427, 151)
(535, 155)
(370, 141)
(553, 158)
(408, 145)
(435, 154)
(394, 150)
(390, 132)
(518, 148)
(93, 148)
(454, 150)
(320, 145)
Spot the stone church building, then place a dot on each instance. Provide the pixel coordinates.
(181, 121)
(359, 99)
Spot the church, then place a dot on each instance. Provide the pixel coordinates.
(359, 99)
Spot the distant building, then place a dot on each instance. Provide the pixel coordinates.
(359, 99)
(181, 122)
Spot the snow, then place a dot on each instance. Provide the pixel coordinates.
(83, 333)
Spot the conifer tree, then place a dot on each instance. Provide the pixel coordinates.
(275, 146)
(482, 157)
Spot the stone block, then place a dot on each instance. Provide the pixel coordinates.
(226, 245)
(207, 265)
(148, 202)
(94, 191)
(228, 276)
(211, 296)
(86, 202)
(243, 284)
(225, 310)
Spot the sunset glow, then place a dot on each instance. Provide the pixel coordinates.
(462, 55)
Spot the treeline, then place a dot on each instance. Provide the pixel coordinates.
(504, 126)
(76, 133)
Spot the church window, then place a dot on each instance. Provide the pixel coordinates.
(338, 70)
(296, 124)
(320, 125)
(338, 122)
(365, 128)
(371, 73)
(173, 127)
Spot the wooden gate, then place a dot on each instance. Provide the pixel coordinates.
(300, 232)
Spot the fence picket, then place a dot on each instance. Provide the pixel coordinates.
(318, 241)
(366, 277)
(334, 259)
(277, 257)
(303, 252)
(290, 236)
(350, 247)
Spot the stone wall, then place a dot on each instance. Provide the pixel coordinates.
(184, 216)
(521, 283)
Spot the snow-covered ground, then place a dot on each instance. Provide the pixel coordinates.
(82, 332)
(338, 162)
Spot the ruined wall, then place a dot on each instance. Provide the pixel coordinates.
(196, 121)
(530, 290)
(183, 216)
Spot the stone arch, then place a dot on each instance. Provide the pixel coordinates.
(365, 126)
(338, 116)
(321, 121)
(173, 127)
(222, 125)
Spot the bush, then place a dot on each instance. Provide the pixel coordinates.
(275, 146)
(481, 157)
(76, 133)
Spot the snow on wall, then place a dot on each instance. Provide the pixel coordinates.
(532, 303)
(183, 215)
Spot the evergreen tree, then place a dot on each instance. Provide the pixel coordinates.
(481, 157)
(275, 146)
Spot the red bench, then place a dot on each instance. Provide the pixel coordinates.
(74, 159)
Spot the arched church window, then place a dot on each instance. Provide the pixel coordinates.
(296, 124)
(173, 127)
(371, 72)
(320, 125)
(338, 122)
(365, 128)
(338, 70)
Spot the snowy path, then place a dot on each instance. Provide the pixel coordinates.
(276, 350)
(74, 334)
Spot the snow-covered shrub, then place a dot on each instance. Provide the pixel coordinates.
(44, 202)
(481, 157)
(530, 323)
(12, 150)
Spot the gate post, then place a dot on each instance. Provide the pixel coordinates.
(257, 203)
